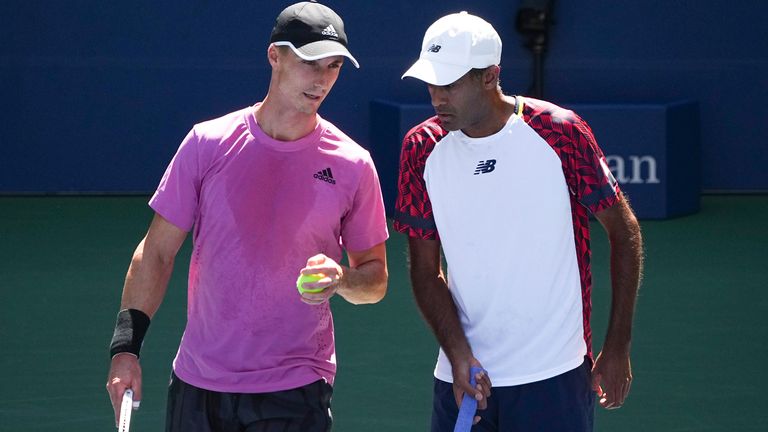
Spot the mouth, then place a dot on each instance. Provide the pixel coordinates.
(312, 97)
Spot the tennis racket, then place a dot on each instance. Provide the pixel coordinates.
(126, 407)
(468, 405)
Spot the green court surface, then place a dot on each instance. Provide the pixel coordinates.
(699, 351)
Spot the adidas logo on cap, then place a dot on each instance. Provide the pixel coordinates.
(330, 31)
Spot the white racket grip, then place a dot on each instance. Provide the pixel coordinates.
(126, 407)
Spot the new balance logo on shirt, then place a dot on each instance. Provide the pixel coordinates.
(325, 175)
(330, 31)
(486, 166)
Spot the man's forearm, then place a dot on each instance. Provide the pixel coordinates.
(439, 310)
(366, 283)
(626, 271)
(146, 281)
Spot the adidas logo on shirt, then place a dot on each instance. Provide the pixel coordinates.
(330, 31)
(325, 175)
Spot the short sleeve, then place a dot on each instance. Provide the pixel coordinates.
(365, 225)
(177, 196)
(594, 185)
(413, 209)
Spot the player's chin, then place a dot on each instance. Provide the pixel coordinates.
(449, 123)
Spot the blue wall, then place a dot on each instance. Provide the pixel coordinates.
(95, 96)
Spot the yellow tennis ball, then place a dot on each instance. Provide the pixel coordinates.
(309, 278)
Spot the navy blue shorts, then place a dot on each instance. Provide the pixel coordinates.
(564, 403)
(303, 409)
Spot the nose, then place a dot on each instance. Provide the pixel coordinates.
(324, 78)
(438, 95)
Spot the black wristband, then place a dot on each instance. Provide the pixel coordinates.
(131, 326)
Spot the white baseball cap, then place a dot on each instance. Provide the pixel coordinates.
(454, 45)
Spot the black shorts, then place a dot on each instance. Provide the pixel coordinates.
(303, 409)
(564, 403)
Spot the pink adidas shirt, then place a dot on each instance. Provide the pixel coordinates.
(258, 209)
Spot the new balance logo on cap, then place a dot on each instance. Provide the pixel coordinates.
(330, 31)
(325, 175)
(434, 48)
(486, 166)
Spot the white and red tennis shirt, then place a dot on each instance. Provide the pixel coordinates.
(510, 211)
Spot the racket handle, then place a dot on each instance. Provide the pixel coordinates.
(124, 424)
(468, 405)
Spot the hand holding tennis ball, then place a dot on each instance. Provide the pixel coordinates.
(318, 281)
(309, 278)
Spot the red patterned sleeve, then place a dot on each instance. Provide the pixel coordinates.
(595, 186)
(413, 210)
(586, 171)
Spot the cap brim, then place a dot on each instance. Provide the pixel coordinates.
(320, 50)
(435, 73)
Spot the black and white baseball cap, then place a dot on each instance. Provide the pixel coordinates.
(313, 31)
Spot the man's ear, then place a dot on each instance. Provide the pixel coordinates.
(272, 54)
(491, 76)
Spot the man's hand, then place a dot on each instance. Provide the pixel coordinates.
(461, 384)
(333, 273)
(612, 378)
(124, 373)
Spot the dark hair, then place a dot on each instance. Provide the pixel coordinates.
(477, 72)
(282, 49)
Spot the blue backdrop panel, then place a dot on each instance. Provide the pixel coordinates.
(111, 128)
(96, 96)
(654, 152)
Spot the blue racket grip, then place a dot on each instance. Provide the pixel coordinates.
(468, 405)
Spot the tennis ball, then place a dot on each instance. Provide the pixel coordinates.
(309, 278)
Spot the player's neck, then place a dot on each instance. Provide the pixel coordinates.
(492, 117)
(284, 123)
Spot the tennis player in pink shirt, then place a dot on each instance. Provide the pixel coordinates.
(269, 192)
